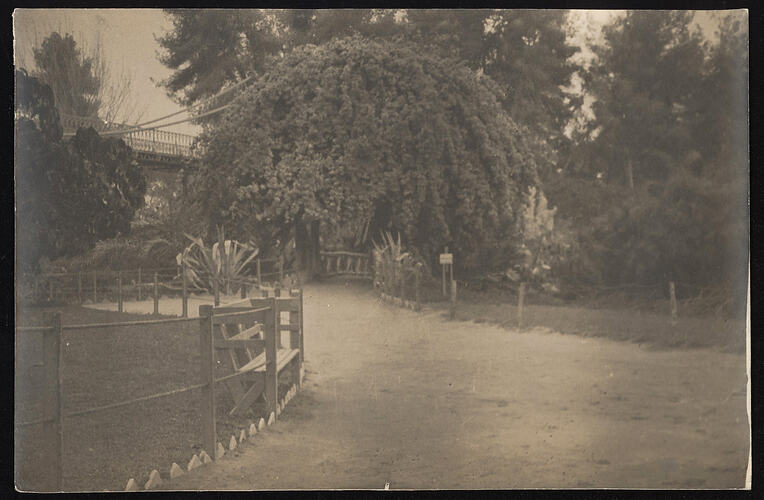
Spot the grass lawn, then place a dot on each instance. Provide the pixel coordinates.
(641, 325)
(101, 366)
(628, 324)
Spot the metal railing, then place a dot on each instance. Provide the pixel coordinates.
(152, 141)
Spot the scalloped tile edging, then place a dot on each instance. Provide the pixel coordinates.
(196, 461)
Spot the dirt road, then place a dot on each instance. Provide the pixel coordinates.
(416, 401)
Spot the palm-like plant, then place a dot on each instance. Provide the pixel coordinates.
(388, 257)
(224, 262)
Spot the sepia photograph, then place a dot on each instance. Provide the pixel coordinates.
(381, 249)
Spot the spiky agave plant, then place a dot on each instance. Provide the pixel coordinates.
(224, 262)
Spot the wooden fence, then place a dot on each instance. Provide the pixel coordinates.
(139, 284)
(345, 263)
(49, 365)
(399, 283)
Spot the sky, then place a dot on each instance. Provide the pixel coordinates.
(129, 41)
(129, 36)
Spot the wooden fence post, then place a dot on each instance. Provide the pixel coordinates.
(119, 291)
(185, 287)
(294, 338)
(417, 284)
(302, 350)
(95, 287)
(156, 293)
(520, 301)
(216, 290)
(259, 278)
(52, 427)
(672, 296)
(453, 299)
(140, 285)
(403, 282)
(243, 289)
(443, 273)
(277, 295)
(79, 287)
(207, 357)
(271, 375)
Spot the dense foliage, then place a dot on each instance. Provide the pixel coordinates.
(657, 187)
(526, 52)
(71, 74)
(370, 132)
(651, 187)
(69, 194)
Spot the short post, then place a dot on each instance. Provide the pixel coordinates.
(453, 299)
(119, 291)
(243, 289)
(185, 287)
(207, 357)
(520, 301)
(672, 296)
(79, 287)
(259, 276)
(403, 283)
(140, 285)
(52, 427)
(156, 293)
(417, 282)
(443, 273)
(50, 288)
(281, 268)
(216, 290)
(95, 287)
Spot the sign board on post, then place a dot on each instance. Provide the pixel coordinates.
(446, 259)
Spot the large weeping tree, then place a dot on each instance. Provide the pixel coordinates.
(369, 134)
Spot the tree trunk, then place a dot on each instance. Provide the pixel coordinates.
(301, 249)
(629, 172)
(315, 247)
(307, 249)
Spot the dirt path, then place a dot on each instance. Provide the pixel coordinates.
(393, 396)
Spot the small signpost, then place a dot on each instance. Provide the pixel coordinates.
(446, 259)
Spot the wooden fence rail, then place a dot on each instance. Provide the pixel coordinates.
(345, 263)
(142, 283)
(265, 309)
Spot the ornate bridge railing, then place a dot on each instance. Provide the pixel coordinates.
(346, 263)
(151, 144)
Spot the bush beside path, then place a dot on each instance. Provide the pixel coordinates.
(416, 401)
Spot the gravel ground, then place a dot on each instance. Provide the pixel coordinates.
(416, 401)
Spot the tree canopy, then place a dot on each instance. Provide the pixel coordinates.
(526, 52)
(69, 194)
(83, 81)
(373, 133)
(661, 188)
